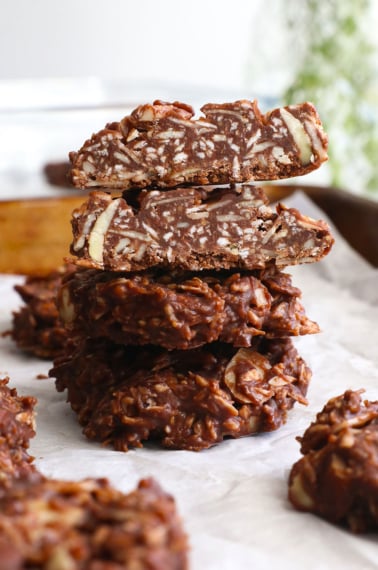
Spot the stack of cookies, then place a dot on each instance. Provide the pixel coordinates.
(179, 314)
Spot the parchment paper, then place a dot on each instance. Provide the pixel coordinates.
(233, 497)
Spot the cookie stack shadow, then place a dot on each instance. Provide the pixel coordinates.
(179, 313)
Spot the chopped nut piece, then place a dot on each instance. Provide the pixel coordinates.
(162, 145)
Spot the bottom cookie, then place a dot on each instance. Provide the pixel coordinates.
(191, 399)
(337, 478)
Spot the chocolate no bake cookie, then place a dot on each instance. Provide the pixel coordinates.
(90, 525)
(181, 310)
(17, 427)
(194, 229)
(163, 145)
(189, 399)
(337, 477)
(36, 325)
(51, 524)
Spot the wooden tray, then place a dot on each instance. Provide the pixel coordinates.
(35, 234)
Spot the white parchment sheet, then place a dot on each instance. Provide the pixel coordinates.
(233, 497)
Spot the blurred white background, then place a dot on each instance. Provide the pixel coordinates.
(198, 42)
(203, 42)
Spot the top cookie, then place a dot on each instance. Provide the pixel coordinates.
(162, 145)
